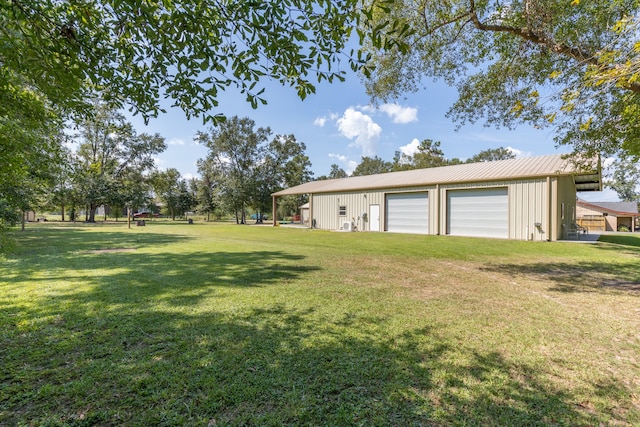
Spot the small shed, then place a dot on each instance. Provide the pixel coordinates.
(530, 198)
(607, 216)
(304, 213)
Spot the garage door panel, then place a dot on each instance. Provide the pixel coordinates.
(408, 213)
(478, 213)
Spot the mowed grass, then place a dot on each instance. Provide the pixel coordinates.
(215, 325)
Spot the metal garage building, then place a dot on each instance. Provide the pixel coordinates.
(530, 199)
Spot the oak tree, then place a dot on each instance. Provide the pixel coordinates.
(570, 64)
(492, 154)
(623, 177)
(110, 153)
(285, 165)
(136, 53)
(371, 166)
(428, 155)
(31, 144)
(236, 149)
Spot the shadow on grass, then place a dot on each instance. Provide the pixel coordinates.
(126, 278)
(128, 347)
(263, 366)
(579, 277)
(48, 241)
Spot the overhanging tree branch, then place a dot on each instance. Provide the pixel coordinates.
(526, 33)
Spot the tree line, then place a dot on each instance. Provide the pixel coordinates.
(111, 165)
(572, 66)
(105, 162)
(428, 154)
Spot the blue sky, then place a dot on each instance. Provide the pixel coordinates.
(339, 125)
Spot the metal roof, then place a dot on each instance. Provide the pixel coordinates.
(523, 168)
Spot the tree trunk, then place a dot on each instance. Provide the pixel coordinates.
(23, 221)
(62, 207)
(92, 213)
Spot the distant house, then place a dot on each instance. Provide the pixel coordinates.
(528, 198)
(607, 216)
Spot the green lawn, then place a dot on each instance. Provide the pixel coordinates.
(217, 324)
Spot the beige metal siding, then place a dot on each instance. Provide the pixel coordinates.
(326, 214)
(566, 197)
(528, 206)
(325, 207)
(530, 203)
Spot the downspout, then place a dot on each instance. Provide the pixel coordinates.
(310, 210)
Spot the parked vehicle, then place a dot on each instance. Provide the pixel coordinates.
(256, 216)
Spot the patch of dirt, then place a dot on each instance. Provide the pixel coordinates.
(110, 250)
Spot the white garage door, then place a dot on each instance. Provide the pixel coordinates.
(479, 213)
(408, 213)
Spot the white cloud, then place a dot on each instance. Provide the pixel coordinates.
(411, 148)
(176, 141)
(400, 114)
(361, 129)
(516, 152)
(338, 157)
(188, 176)
(320, 121)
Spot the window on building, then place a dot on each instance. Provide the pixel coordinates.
(342, 211)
